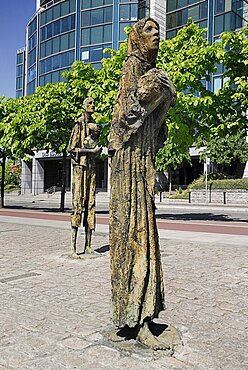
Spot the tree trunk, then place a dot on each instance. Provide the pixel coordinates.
(2, 181)
(169, 172)
(62, 199)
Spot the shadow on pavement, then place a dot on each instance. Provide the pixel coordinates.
(199, 217)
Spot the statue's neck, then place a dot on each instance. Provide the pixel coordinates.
(87, 116)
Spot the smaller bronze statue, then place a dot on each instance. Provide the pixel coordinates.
(84, 148)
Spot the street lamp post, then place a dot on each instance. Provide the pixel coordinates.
(2, 155)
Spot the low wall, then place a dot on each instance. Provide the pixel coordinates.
(221, 196)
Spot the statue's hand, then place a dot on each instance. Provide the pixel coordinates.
(93, 127)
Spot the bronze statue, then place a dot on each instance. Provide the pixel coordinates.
(84, 148)
(138, 130)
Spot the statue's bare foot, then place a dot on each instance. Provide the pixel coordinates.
(87, 250)
(74, 255)
(146, 337)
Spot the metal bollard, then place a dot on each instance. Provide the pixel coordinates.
(224, 197)
(189, 197)
(160, 196)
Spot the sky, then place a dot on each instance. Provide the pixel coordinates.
(14, 15)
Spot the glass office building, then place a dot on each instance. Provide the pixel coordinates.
(217, 15)
(62, 31)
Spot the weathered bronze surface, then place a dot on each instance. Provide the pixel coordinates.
(137, 132)
(84, 148)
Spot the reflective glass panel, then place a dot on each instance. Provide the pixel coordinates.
(64, 42)
(97, 16)
(65, 8)
(96, 34)
(86, 19)
(107, 34)
(85, 36)
(108, 14)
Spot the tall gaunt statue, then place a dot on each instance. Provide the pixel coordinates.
(84, 149)
(138, 130)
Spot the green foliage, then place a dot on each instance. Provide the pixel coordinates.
(12, 173)
(220, 183)
(216, 121)
(188, 58)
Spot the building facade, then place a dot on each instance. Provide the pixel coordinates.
(62, 31)
(59, 33)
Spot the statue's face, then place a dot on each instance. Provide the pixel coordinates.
(90, 106)
(150, 35)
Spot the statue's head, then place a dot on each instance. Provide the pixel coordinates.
(144, 38)
(89, 105)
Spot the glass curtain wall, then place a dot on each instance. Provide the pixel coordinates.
(56, 41)
(20, 72)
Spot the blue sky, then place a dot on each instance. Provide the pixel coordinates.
(14, 15)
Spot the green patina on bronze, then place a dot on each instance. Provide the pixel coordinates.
(84, 149)
(138, 130)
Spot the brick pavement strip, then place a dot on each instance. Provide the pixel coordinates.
(53, 308)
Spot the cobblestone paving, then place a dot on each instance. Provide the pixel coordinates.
(53, 308)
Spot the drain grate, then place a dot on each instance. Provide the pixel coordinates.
(17, 277)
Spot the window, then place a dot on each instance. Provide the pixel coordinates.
(86, 36)
(49, 29)
(19, 83)
(86, 19)
(56, 45)
(97, 16)
(86, 4)
(96, 54)
(56, 28)
(181, 3)
(64, 60)
(49, 15)
(65, 24)
(32, 27)
(107, 33)
(108, 14)
(19, 70)
(55, 77)
(19, 94)
(171, 5)
(124, 13)
(55, 62)
(194, 13)
(71, 40)
(171, 20)
(32, 57)
(204, 10)
(217, 83)
(219, 6)
(65, 8)
(31, 73)
(64, 42)
(19, 58)
(31, 87)
(171, 34)
(96, 35)
(218, 24)
(56, 11)
(72, 6)
(32, 42)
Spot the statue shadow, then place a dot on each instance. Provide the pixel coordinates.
(103, 249)
(206, 216)
(128, 333)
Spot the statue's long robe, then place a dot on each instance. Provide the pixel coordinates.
(83, 178)
(136, 272)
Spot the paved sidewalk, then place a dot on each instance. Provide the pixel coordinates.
(53, 308)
